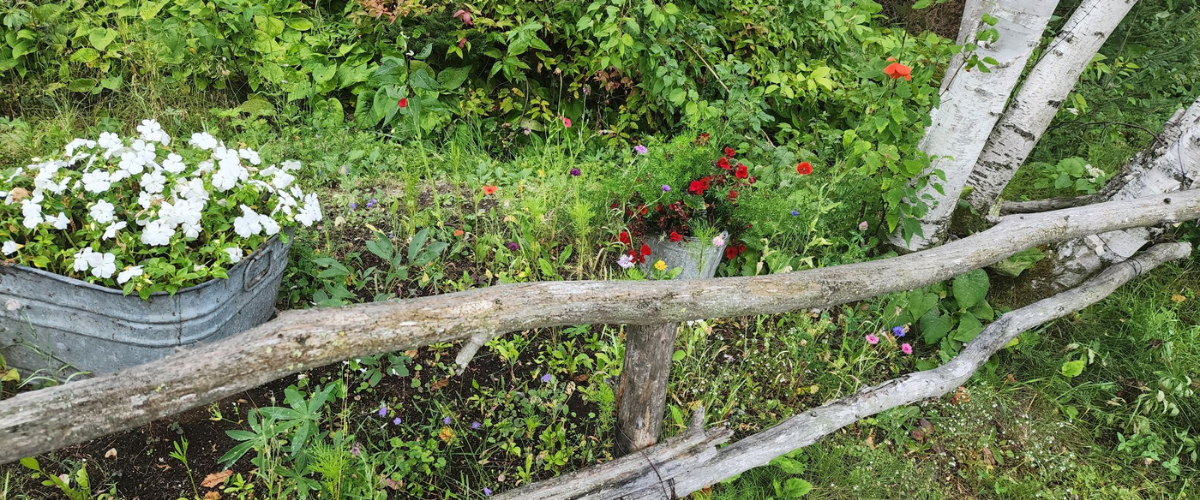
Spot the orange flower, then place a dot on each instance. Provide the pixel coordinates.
(897, 70)
(489, 190)
(458, 232)
(804, 168)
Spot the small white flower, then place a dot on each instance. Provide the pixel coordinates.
(103, 212)
(110, 142)
(626, 261)
(289, 165)
(157, 233)
(174, 164)
(228, 175)
(129, 273)
(270, 227)
(83, 259)
(103, 266)
(79, 143)
(251, 155)
(150, 130)
(203, 140)
(96, 181)
(153, 181)
(10, 247)
(60, 222)
(235, 254)
(311, 212)
(1073, 111)
(111, 231)
(32, 212)
(248, 224)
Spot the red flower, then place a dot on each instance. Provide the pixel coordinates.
(733, 195)
(742, 172)
(636, 257)
(458, 232)
(729, 152)
(702, 139)
(624, 238)
(489, 190)
(645, 249)
(753, 180)
(897, 70)
(464, 16)
(731, 252)
(403, 102)
(804, 168)
(462, 42)
(566, 122)
(696, 188)
(676, 236)
(723, 163)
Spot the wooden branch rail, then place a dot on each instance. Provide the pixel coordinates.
(683, 465)
(39, 421)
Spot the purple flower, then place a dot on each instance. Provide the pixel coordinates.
(641, 149)
(475, 425)
(355, 450)
(446, 420)
(396, 421)
(371, 203)
(575, 172)
(795, 212)
(345, 169)
(512, 245)
(383, 410)
(353, 205)
(546, 378)
(666, 188)
(898, 331)
(487, 492)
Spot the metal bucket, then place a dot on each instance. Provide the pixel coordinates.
(699, 259)
(52, 322)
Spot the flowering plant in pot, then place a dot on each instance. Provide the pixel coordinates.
(144, 214)
(680, 201)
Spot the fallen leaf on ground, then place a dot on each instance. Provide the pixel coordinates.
(216, 478)
(111, 453)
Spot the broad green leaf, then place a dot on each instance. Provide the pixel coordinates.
(422, 79)
(453, 78)
(983, 311)
(934, 326)
(968, 328)
(100, 38)
(31, 463)
(970, 288)
(299, 24)
(82, 85)
(1071, 369)
(85, 55)
(1018, 263)
(796, 488)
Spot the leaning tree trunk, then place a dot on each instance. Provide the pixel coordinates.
(972, 18)
(1041, 95)
(969, 110)
(1171, 163)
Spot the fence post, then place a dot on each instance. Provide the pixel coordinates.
(642, 395)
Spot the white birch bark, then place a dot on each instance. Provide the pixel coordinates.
(1170, 164)
(1042, 94)
(972, 18)
(968, 112)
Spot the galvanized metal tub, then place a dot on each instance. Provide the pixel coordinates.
(63, 325)
(699, 259)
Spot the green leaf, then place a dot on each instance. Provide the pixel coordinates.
(1018, 263)
(422, 79)
(100, 38)
(968, 328)
(234, 454)
(82, 85)
(796, 488)
(678, 356)
(322, 73)
(934, 326)
(920, 303)
(1072, 369)
(970, 288)
(85, 55)
(983, 311)
(150, 9)
(789, 465)
(31, 464)
(453, 78)
(299, 24)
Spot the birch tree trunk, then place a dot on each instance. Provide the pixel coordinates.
(972, 18)
(1042, 94)
(968, 112)
(1170, 164)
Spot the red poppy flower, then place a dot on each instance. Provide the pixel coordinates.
(804, 168)
(489, 190)
(624, 238)
(731, 252)
(897, 70)
(403, 102)
(676, 236)
(723, 163)
(729, 152)
(733, 195)
(645, 249)
(742, 172)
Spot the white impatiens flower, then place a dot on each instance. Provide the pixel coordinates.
(191, 189)
(152, 131)
(311, 212)
(110, 142)
(153, 181)
(235, 254)
(249, 224)
(203, 140)
(250, 155)
(32, 212)
(111, 231)
(128, 274)
(270, 227)
(83, 259)
(279, 177)
(103, 266)
(78, 143)
(289, 165)
(228, 175)
(174, 164)
(10, 247)
(157, 233)
(96, 181)
(103, 212)
(60, 222)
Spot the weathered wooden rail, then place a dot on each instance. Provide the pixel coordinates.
(47, 419)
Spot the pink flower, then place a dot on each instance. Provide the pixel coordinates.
(718, 241)
(464, 16)
(907, 349)
(872, 339)
(566, 122)
(862, 226)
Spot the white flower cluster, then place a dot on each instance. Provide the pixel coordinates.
(114, 201)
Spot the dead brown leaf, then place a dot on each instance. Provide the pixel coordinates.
(111, 453)
(216, 478)
(212, 495)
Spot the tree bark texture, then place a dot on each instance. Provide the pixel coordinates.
(1169, 165)
(968, 27)
(47, 419)
(1042, 94)
(969, 110)
(670, 480)
(642, 394)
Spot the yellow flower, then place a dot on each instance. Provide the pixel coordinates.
(660, 265)
(1178, 298)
